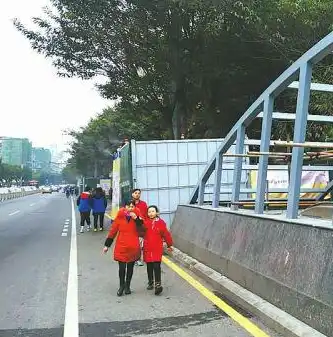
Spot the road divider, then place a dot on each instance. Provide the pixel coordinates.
(15, 195)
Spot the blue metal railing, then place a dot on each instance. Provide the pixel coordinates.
(301, 69)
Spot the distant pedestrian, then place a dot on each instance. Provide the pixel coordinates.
(110, 193)
(99, 204)
(142, 206)
(156, 232)
(84, 203)
(125, 227)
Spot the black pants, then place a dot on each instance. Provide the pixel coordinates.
(154, 272)
(85, 217)
(99, 216)
(125, 273)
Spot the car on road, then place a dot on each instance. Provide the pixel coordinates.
(46, 189)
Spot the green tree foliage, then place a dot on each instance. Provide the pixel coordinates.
(93, 145)
(11, 173)
(69, 174)
(195, 65)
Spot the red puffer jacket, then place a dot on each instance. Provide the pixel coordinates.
(127, 248)
(143, 208)
(156, 232)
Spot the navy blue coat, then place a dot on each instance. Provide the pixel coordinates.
(99, 203)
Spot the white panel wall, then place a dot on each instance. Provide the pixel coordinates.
(168, 171)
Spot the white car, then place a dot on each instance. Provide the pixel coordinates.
(46, 189)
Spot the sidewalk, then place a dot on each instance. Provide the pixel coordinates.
(179, 311)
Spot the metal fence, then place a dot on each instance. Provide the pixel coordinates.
(263, 107)
(15, 195)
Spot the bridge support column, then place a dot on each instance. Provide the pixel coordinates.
(302, 112)
(266, 129)
(201, 194)
(238, 167)
(217, 180)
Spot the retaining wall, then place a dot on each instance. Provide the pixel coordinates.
(288, 264)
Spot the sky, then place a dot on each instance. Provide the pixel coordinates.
(34, 102)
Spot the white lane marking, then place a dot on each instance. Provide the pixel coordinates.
(63, 234)
(65, 230)
(67, 221)
(66, 226)
(16, 212)
(71, 327)
(33, 204)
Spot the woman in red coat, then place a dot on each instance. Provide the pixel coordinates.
(156, 232)
(127, 250)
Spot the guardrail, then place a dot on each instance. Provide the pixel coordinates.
(15, 195)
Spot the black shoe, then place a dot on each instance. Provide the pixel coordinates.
(128, 290)
(158, 289)
(150, 286)
(120, 291)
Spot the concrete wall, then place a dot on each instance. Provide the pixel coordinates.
(288, 264)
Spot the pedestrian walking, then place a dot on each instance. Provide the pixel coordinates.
(99, 204)
(84, 203)
(142, 206)
(156, 232)
(126, 227)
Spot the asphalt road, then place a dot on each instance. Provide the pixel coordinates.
(33, 265)
(35, 250)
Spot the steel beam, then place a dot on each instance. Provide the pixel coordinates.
(201, 195)
(217, 180)
(238, 164)
(266, 129)
(302, 111)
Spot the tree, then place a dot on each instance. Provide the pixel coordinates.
(93, 145)
(69, 174)
(197, 64)
(11, 173)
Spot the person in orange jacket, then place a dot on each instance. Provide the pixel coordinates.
(127, 225)
(156, 232)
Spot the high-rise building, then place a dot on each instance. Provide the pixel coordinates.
(41, 159)
(16, 151)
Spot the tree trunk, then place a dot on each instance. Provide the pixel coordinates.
(95, 169)
(179, 108)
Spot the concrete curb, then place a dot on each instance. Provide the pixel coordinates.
(269, 314)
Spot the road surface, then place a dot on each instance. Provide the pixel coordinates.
(42, 262)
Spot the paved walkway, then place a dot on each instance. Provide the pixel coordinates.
(35, 248)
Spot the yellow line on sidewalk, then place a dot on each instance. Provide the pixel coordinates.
(232, 313)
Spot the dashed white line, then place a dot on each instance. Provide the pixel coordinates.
(63, 234)
(71, 327)
(33, 204)
(16, 212)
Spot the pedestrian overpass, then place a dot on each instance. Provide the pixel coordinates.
(285, 256)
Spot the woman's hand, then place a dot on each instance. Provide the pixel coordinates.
(170, 249)
(133, 215)
(105, 250)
